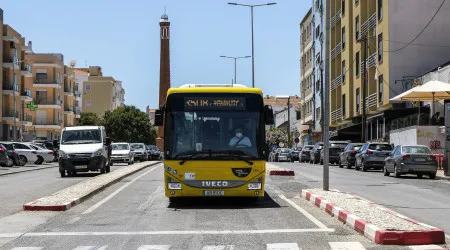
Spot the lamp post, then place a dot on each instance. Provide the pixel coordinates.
(235, 59)
(253, 43)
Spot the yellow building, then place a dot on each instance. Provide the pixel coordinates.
(70, 92)
(101, 94)
(388, 27)
(47, 87)
(14, 71)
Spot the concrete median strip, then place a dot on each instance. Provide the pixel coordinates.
(379, 224)
(73, 195)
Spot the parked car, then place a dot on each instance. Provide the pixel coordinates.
(122, 153)
(49, 145)
(140, 151)
(43, 154)
(283, 154)
(293, 155)
(315, 153)
(372, 155)
(414, 159)
(12, 154)
(26, 153)
(335, 149)
(5, 161)
(154, 153)
(348, 157)
(305, 153)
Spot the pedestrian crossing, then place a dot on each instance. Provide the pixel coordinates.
(271, 246)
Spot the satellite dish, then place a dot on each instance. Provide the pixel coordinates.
(73, 63)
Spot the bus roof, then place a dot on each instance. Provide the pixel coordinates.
(213, 88)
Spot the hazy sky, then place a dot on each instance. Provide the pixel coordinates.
(123, 38)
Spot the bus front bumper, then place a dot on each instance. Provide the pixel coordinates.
(194, 192)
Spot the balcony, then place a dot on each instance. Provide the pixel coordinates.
(370, 62)
(69, 91)
(335, 19)
(69, 110)
(336, 82)
(47, 123)
(371, 100)
(336, 115)
(8, 62)
(368, 25)
(26, 70)
(336, 51)
(26, 95)
(11, 39)
(10, 114)
(27, 120)
(46, 83)
(10, 89)
(52, 104)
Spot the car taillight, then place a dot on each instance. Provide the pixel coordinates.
(369, 152)
(2, 150)
(405, 157)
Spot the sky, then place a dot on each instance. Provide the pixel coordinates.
(123, 38)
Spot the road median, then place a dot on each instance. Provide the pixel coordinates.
(379, 224)
(275, 170)
(73, 195)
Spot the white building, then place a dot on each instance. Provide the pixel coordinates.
(118, 95)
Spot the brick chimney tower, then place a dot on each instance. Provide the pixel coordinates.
(164, 71)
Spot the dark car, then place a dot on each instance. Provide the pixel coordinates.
(5, 161)
(293, 155)
(12, 154)
(154, 153)
(348, 157)
(305, 153)
(335, 149)
(315, 153)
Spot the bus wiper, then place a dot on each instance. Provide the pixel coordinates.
(191, 154)
(235, 154)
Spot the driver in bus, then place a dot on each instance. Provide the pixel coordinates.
(240, 140)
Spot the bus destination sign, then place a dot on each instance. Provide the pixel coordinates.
(214, 103)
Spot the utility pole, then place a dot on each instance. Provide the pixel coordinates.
(363, 41)
(326, 101)
(289, 121)
(14, 101)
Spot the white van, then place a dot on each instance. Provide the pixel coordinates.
(83, 149)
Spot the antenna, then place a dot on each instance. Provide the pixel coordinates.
(165, 8)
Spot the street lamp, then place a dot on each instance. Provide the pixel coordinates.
(235, 59)
(253, 44)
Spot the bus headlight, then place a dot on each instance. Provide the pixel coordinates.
(254, 186)
(174, 186)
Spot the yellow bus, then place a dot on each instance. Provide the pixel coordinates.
(214, 141)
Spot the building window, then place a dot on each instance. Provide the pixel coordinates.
(318, 31)
(357, 64)
(343, 38)
(380, 89)
(343, 71)
(380, 10)
(318, 113)
(380, 47)
(343, 7)
(87, 87)
(357, 27)
(356, 2)
(358, 100)
(343, 105)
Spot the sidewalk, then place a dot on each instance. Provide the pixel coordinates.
(440, 175)
(26, 168)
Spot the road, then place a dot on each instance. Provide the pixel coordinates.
(20, 188)
(425, 200)
(134, 214)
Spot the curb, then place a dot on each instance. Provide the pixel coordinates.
(27, 170)
(66, 206)
(374, 233)
(282, 172)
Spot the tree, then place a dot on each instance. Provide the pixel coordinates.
(129, 124)
(89, 118)
(276, 135)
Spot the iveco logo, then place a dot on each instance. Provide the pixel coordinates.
(215, 183)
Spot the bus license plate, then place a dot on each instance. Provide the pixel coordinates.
(213, 193)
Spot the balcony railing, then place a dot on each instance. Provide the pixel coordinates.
(46, 81)
(370, 24)
(69, 90)
(69, 109)
(336, 82)
(27, 118)
(48, 102)
(336, 51)
(26, 92)
(9, 86)
(371, 100)
(336, 115)
(370, 62)
(10, 113)
(335, 19)
(26, 67)
(43, 121)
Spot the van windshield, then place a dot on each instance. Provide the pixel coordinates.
(81, 136)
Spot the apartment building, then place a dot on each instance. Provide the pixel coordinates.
(99, 94)
(119, 95)
(389, 27)
(70, 91)
(14, 71)
(81, 76)
(47, 86)
(151, 114)
(306, 72)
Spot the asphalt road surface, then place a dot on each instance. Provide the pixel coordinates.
(134, 214)
(425, 200)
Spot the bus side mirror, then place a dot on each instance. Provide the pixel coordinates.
(159, 117)
(269, 115)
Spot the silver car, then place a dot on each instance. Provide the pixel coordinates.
(415, 159)
(122, 153)
(372, 155)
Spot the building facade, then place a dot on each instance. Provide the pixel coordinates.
(307, 74)
(387, 27)
(70, 88)
(118, 96)
(151, 114)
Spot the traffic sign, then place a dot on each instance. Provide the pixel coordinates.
(296, 140)
(281, 144)
(297, 134)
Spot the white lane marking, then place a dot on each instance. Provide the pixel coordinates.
(346, 246)
(425, 247)
(90, 248)
(268, 231)
(154, 247)
(304, 212)
(73, 220)
(218, 247)
(283, 246)
(27, 248)
(98, 204)
(151, 198)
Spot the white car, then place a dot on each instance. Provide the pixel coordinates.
(26, 152)
(122, 153)
(44, 154)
